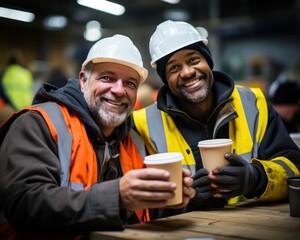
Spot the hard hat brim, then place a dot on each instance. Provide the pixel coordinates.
(178, 47)
(143, 72)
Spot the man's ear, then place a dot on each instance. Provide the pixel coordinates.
(82, 80)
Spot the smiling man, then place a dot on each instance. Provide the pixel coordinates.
(110, 94)
(71, 164)
(197, 103)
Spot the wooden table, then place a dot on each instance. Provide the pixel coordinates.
(250, 220)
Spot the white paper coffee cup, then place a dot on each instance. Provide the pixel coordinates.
(212, 152)
(172, 162)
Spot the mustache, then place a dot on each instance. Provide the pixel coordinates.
(114, 98)
(197, 74)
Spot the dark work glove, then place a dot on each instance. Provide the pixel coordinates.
(238, 178)
(202, 187)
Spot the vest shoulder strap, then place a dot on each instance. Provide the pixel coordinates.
(159, 132)
(250, 125)
(52, 113)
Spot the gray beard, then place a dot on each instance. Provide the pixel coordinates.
(197, 96)
(195, 99)
(103, 117)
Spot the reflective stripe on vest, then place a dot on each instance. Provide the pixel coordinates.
(64, 143)
(245, 104)
(63, 139)
(248, 128)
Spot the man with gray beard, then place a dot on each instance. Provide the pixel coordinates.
(196, 103)
(71, 164)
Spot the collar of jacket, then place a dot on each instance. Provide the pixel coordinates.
(222, 89)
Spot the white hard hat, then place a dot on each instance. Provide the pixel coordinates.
(117, 49)
(170, 36)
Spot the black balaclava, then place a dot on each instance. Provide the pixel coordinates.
(198, 46)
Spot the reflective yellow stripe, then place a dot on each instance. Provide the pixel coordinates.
(263, 114)
(176, 142)
(238, 130)
(140, 121)
(289, 164)
(277, 185)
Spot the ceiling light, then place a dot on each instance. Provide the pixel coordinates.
(55, 22)
(103, 5)
(177, 15)
(16, 14)
(92, 32)
(171, 1)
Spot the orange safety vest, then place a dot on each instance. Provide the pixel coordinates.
(1, 103)
(83, 173)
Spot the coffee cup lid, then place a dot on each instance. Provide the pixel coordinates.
(163, 158)
(215, 142)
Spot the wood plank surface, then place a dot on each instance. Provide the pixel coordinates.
(250, 220)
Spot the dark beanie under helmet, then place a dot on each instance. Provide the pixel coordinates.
(198, 46)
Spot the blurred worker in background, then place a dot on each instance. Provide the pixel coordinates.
(6, 110)
(285, 99)
(17, 84)
(146, 95)
(57, 77)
